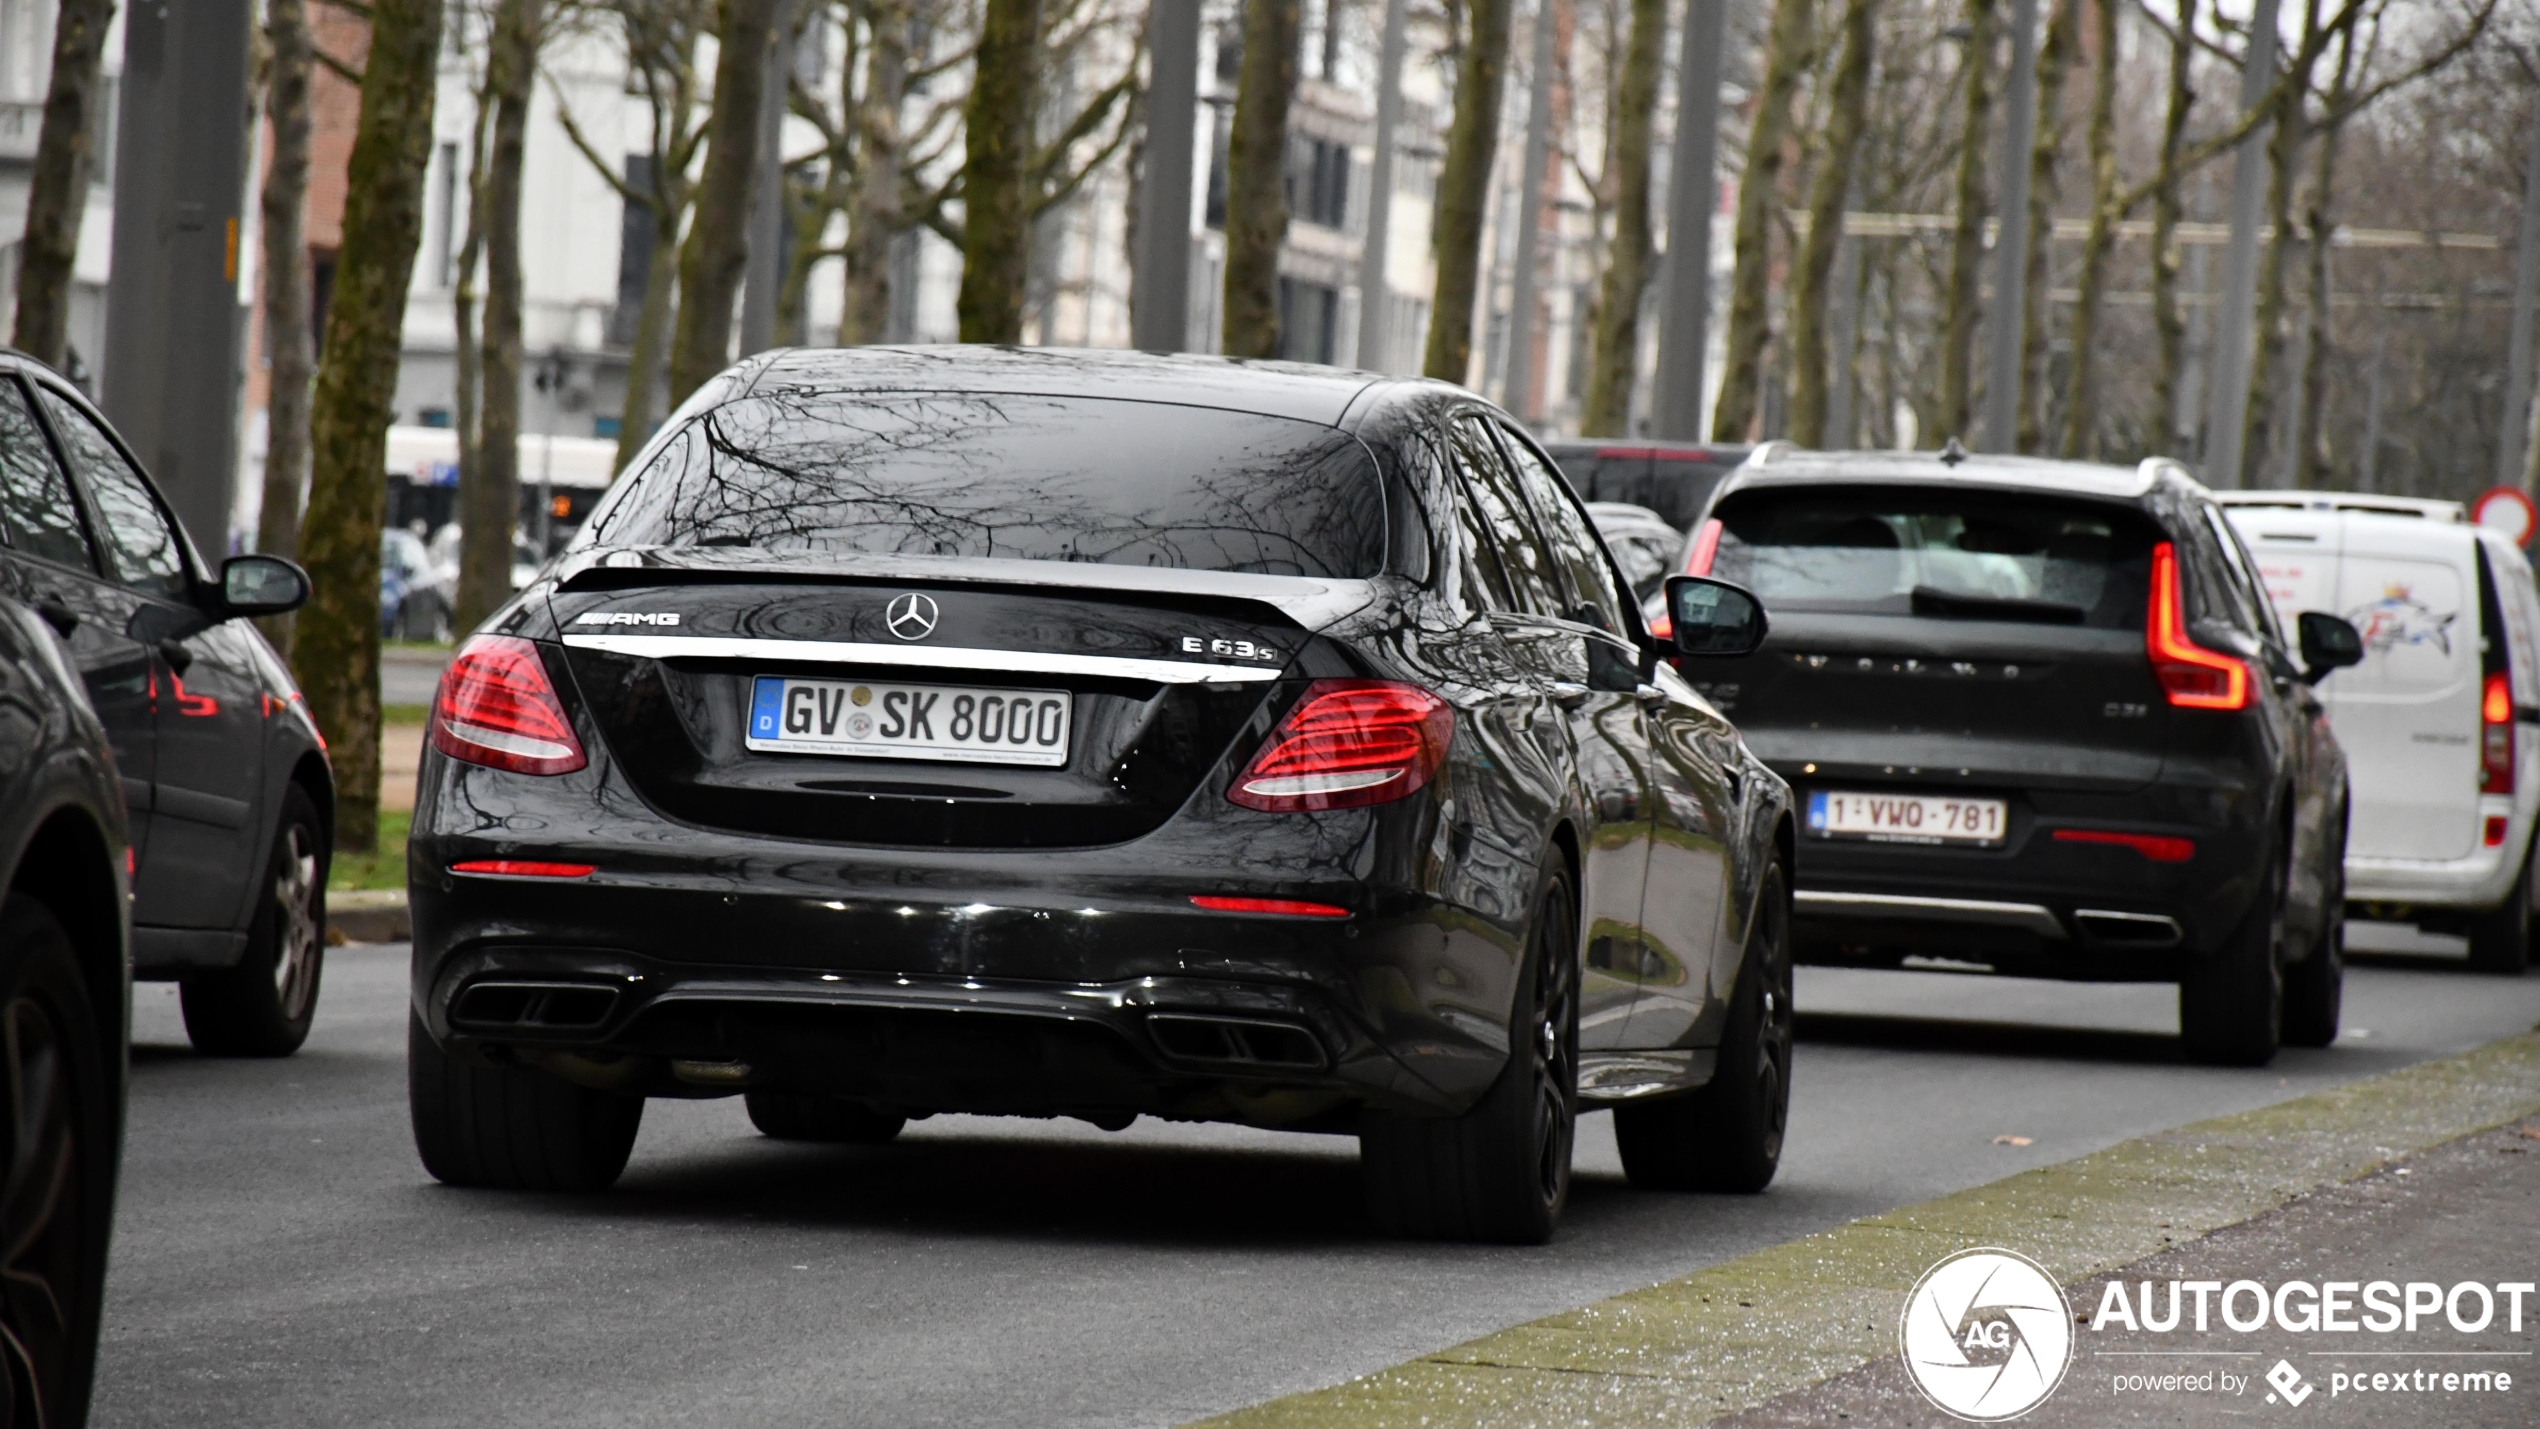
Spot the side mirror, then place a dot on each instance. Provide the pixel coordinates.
(262, 585)
(2329, 644)
(1713, 617)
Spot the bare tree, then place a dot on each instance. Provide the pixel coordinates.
(489, 496)
(1847, 111)
(1789, 52)
(336, 643)
(289, 347)
(2079, 426)
(1256, 174)
(2045, 188)
(717, 247)
(1455, 233)
(1633, 105)
(57, 189)
(1966, 235)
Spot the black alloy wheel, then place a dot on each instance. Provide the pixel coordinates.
(1728, 1135)
(803, 1116)
(1501, 1171)
(2231, 1001)
(56, 1202)
(265, 1005)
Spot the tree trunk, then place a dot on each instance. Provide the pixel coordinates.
(489, 496)
(1787, 52)
(288, 344)
(1966, 238)
(652, 325)
(1615, 356)
(2169, 327)
(57, 189)
(1256, 173)
(471, 353)
(1455, 235)
(1847, 112)
(2037, 309)
(717, 250)
(873, 198)
(2079, 437)
(337, 642)
(2284, 150)
(996, 185)
(2311, 463)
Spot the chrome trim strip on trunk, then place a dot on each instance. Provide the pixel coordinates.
(2034, 917)
(933, 657)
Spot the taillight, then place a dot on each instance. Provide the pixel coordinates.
(1282, 907)
(523, 868)
(2193, 677)
(497, 708)
(2160, 848)
(1706, 549)
(1348, 744)
(2496, 737)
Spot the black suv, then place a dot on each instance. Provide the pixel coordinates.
(2040, 717)
(225, 775)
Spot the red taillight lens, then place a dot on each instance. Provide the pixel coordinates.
(1348, 744)
(523, 868)
(1706, 549)
(2160, 848)
(2496, 737)
(497, 708)
(2193, 677)
(2497, 824)
(1284, 907)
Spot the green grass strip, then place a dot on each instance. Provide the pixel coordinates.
(1733, 1336)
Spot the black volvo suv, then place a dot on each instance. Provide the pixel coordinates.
(2039, 716)
(1105, 735)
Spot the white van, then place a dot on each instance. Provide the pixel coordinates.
(2441, 721)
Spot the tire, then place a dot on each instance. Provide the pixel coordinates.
(263, 1007)
(798, 1116)
(60, 1201)
(2315, 987)
(1501, 1171)
(2500, 938)
(2231, 1004)
(1728, 1135)
(511, 1127)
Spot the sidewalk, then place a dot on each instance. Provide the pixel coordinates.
(1820, 1315)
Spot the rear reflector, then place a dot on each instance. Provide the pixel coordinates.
(2160, 848)
(498, 708)
(1284, 907)
(2193, 677)
(2496, 824)
(2496, 738)
(524, 868)
(1348, 744)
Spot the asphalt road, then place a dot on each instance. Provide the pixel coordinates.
(281, 1259)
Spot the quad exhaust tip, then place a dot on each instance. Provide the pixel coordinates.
(1236, 1041)
(532, 1006)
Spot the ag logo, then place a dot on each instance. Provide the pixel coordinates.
(1987, 1335)
(910, 616)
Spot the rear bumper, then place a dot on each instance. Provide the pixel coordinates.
(2479, 881)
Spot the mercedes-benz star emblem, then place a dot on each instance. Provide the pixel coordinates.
(911, 616)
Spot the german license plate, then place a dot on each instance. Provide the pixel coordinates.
(1906, 818)
(960, 724)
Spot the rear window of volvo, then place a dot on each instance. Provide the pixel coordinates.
(1018, 477)
(1938, 554)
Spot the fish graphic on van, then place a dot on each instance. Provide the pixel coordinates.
(2399, 618)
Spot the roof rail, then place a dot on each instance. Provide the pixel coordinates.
(1767, 449)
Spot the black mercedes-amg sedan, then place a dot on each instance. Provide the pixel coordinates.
(1100, 735)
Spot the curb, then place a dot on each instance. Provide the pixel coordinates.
(369, 915)
(1748, 1330)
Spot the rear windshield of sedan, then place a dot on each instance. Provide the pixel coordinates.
(1018, 477)
(1941, 554)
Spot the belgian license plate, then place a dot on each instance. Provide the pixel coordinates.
(951, 723)
(1906, 818)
